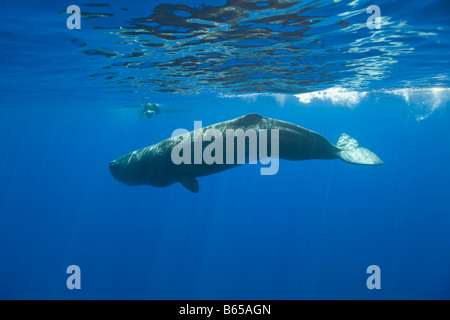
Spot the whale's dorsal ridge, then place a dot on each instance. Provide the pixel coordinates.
(251, 119)
(190, 183)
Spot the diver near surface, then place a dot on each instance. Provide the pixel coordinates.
(150, 109)
(146, 109)
(155, 166)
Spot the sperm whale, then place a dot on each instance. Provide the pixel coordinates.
(159, 165)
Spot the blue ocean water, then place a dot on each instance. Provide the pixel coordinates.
(71, 101)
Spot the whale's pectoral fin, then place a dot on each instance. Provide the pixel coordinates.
(190, 183)
(352, 153)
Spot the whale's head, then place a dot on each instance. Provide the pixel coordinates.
(143, 167)
(126, 170)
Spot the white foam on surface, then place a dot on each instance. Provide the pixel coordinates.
(422, 101)
(337, 96)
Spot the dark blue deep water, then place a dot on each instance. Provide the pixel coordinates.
(71, 101)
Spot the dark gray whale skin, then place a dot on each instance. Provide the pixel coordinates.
(153, 165)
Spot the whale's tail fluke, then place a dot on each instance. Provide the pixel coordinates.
(352, 153)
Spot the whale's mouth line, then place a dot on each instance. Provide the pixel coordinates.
(113, 170)
(117, 171)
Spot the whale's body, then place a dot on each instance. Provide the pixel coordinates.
(154, 165)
